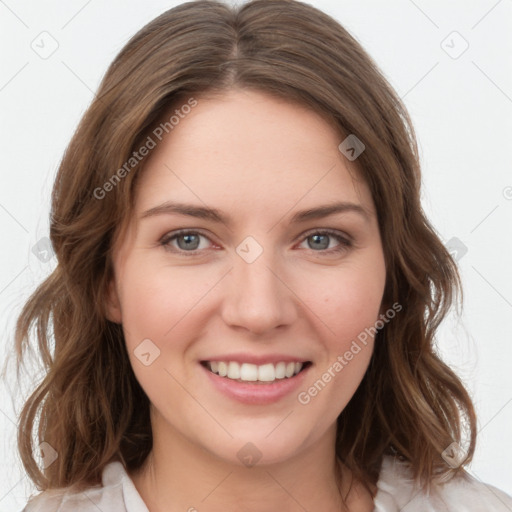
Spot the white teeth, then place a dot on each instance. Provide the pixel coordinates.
(248, 372)
(281, 370)
(267, 373)
(251, 372)
(290, 369)
(223, 369)
(233, 370)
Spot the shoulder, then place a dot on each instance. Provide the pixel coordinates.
(115, 494)
(397, 492)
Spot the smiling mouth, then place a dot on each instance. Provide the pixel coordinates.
(256, 374)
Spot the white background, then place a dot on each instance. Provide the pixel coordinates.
(461, 108)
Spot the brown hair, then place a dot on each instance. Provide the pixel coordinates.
(92, 410)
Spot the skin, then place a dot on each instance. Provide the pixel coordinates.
(260, 160)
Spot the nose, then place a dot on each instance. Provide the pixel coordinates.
(258, 297)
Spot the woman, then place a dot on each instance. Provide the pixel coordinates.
(247, 289)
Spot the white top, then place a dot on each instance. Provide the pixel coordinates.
(396, 493)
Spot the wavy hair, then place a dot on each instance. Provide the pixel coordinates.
(89, 405)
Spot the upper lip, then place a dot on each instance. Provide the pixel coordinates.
(257, 359)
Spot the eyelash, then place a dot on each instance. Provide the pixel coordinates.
(345, 243)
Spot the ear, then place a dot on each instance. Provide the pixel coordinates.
(112, 303)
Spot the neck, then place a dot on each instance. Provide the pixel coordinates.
(178, 475)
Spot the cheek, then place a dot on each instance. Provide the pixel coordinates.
(159, 308)
(167, 307)
(162, 303)
(350, 310)
(352, 301)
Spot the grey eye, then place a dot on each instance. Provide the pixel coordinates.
(191, 241)
(318, 243)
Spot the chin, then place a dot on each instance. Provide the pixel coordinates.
(260, 446)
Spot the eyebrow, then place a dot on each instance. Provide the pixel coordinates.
(214, 215)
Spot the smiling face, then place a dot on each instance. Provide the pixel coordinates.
(255, 282)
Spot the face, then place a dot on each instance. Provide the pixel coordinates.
(263, 285)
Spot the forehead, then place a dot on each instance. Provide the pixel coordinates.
(252, 152)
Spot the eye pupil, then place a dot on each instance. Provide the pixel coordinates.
(317, 237)
(188, 238)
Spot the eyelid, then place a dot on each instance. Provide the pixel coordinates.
(329, 231)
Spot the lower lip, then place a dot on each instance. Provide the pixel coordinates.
(257, 393)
